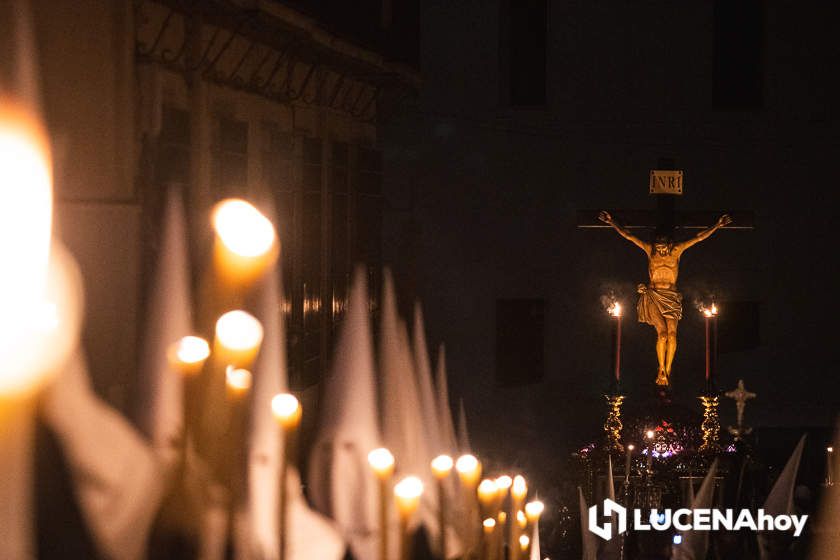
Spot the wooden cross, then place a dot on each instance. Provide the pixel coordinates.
(666, 185)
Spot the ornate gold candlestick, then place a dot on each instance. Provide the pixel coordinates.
(613, 424)
(711, 424)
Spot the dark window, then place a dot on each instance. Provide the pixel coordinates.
(312, 252)
(231, 161)
(367, 217)
(520, 341)
(738, 54)
(338, 185)
(280, 161)
(523, 51)
(173, 164)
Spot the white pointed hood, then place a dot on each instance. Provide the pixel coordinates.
(341, 483)
(423, 372)
(160, 411)
(449, 439)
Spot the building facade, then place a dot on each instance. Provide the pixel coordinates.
(219, 99)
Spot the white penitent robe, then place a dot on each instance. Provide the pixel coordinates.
(116, 476)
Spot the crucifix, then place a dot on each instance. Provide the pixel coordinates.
(660, 304)
(740, 395)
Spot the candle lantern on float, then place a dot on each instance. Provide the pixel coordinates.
(710, 399)
(613, 424)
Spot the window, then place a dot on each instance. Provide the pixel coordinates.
(368, 217)
(312, 253)
(230, 175)
(341, 265)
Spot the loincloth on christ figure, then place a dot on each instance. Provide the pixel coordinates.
(658, 302)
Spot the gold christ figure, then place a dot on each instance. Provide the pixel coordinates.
(660, 304)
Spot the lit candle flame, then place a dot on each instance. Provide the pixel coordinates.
(239, 332)
(189, 354)
(407, 492)
(242, 228)
(533, 510)
(524, 541)
(382, 462)
(519, 488)
(504, 482)
(469, 469)
(487, 492)
(192, 349)
(442, 466)
(286, 409)
(40, 299)
(238, 379)
(710, 311)
(615, 309)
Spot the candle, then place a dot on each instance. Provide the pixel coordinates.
(628, 456)
(469, 472)
(246, 241)
(714, 349)
(407, 493)
(521, 519)
(524, 543)
(189, 354)
(381, 462)
(287, 412)
(518, 492)
(238, 336)
(441, 467)
(469, 469)
(487, 494)
(40, 286)
(238, 382)
(533, 511)
(615, 313)
(519, 488)
(504, 483)
(501, 533)
(489, 526)
(829, 471)
(710, 317)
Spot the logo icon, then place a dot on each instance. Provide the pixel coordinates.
(613, 510)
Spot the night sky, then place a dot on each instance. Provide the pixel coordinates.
(482, 202)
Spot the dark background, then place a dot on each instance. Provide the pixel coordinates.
(530, 111)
